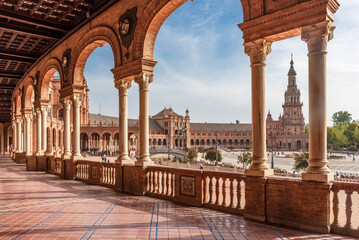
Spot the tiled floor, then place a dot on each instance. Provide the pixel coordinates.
(34, 205)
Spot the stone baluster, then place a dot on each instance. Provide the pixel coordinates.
(205, 186)
(210, 190)
(217, 191)
(225, 192)
(335, 208)
(239, 194)
(348, 209)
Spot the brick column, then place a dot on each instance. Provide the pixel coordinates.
(144, 80)
(317, 36)
(258, 51)
(123, 87)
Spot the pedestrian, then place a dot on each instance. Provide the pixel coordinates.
(353, 158)
(201, 166)
(294, 175)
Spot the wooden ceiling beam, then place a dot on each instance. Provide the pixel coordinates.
(36, 22)
(32, 31)
(16, 58)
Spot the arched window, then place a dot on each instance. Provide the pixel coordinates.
(192, 142)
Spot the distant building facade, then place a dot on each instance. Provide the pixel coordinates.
(170, 129)
(288, 132)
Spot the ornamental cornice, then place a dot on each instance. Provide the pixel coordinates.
(271, 25)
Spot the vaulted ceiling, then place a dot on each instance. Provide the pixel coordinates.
(28, 29)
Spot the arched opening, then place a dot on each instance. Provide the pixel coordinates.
(192, 142)
(116, 142)
(202, 142)
(219, 142)
(54, 141)
(106, 143)
(95, 144)
(224, 142)
(236, 142)
(84, 142)
(159, 142)
(208, 142)
(230, 142)
(213, 142)
(197, 142)
(299, 145)
(248, 142)
(164, 142)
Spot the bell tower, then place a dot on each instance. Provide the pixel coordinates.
(293, 119)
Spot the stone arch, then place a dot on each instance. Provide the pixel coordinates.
(94, 38)
(51, 66)
(154, 15)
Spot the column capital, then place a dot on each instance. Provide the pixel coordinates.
(44, 109)
(258, 50)
(67, 103)
(143, 80)
(318, 35)
(122, 86)
(77, 99)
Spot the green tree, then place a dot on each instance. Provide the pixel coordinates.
(192, 153)
(245, 158)
(301, 161)
(342, 117)
(306, 129)
(211, 155)
(331, 137)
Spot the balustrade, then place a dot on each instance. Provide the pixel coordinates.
(160, 182)
(108, 174)
(346, 216)
(224, 191)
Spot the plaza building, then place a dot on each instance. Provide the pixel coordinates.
(288, 132)
(43, 118)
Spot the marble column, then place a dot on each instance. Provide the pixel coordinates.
(317, 36)
(27, 129)
(66, 135)
(143, 80)
(123, 87)
(39, 151)
(18, 137)
(44, 129)
(258, 51)
(76, 153)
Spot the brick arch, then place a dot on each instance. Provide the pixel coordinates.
(94, 38)
(50, 67)
(153, 17)
(29, 91)
(106, 132)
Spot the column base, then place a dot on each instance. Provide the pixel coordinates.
(77, 157)
(125, 162)
(144, 164)
(66, 156)
(39, 153)
(259, 172)
(318, 177)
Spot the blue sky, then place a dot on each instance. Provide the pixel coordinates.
(202, 66)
